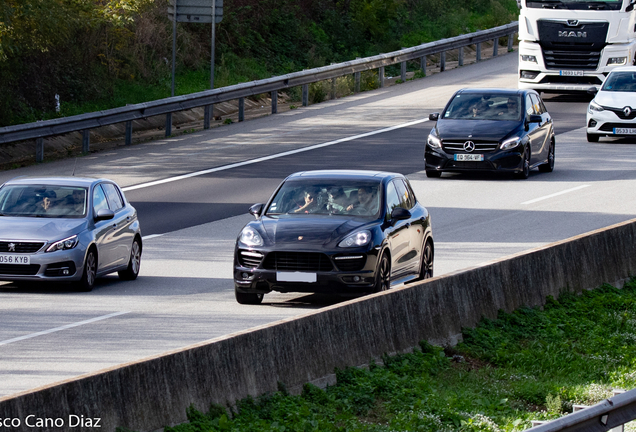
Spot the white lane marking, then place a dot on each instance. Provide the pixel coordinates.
(56, 329)
(554, 194)
(274, 156)
(151, 236)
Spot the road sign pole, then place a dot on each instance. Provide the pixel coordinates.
(209, 111)
(174, 61)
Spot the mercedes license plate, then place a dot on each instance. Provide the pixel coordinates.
(625, 131)
(469, 157)
(571, 73)
(15, 259)
(296, 277)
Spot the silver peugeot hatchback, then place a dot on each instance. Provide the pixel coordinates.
(67, 229)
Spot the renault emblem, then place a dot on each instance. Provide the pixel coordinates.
(627, 111)
(300, 237)
(11, 247)
(469, 146)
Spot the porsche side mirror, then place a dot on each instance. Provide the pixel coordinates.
(104, 214)
(256, 210)
(433, 117)
(400, 213)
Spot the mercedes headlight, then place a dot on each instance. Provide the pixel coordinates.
(359, 238)
(433, 141)
(250, 237)
(510, 143)
(67, 243)
(594, 107)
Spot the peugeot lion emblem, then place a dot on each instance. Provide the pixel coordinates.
(469, 146)
(627, 111)
(11, 247)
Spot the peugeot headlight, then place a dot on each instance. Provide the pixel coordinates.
(510, 143)
(67, 243)
(250, 237)
(594, 107)
(616, 61)
(529, 58)
(433, 141)
(359, 238)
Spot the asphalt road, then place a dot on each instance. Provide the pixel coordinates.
(184, 294)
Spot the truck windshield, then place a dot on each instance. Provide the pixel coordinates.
(577, 4)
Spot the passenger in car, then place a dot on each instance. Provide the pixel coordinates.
(310, 202)
(367, 202)
(337, 201)
(511, 110)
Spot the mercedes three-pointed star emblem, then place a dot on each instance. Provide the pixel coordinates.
(469, 146)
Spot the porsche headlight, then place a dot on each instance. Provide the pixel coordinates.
(250, 237)
(359, 238)
(510, 143)
(67, 243)
(594, 107)
(433, 141)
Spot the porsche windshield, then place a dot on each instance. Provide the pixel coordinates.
(360, 198)
(43, 201)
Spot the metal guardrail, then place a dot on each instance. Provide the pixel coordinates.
(606, 415)
(85, 122)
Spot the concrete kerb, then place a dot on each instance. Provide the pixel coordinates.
(155, 392)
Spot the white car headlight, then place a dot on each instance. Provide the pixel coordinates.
(67, 243)
(433, 141)
(250, 237)
(616, 61)
(529, 58)
(594, 107)
(359, 238)
(510, 143)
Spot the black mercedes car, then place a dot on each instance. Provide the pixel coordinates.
(500, 130)
(343, 232)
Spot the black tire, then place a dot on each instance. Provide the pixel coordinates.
(89, 272)
(134, 263)
(426, 269)
(433, 174)
(525, 169)
(248, 298)
(383, 274)
(549, 165)
(592, 138)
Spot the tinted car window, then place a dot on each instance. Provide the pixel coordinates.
(529, 106)
(114, 199)
(483, 106)
(536, 104)
(403, 194)
(43, 201)
(411, 194)
(392, 199)
(99, 199)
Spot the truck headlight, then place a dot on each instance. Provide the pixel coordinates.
(616, 61)
(529, 58)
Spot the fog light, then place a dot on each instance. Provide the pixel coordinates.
(529, 74)
(65, 272)
(356, 278)
(245, 275)
(592, 123)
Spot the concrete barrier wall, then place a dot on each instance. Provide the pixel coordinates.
(155, 392)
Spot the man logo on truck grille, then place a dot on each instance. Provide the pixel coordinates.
(569, 34)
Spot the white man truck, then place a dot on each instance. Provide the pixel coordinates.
(571, 45)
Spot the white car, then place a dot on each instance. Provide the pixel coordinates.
(612, 112)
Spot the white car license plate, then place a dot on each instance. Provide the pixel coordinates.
(296, 277)
(469, 157)
(625, 131)
(15, 259)
(571, 73)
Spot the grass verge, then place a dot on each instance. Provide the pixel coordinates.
(532, 364)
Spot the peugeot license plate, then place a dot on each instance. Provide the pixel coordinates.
(15, 259)
(625, 131)
(296, 277)
(469, 157)
(570, 73)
